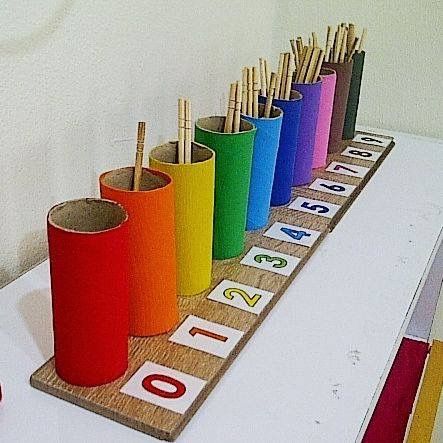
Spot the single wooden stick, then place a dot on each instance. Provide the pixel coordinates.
(279, 74)
(314, 40)
(262, 76)
(305, 65)
(244, 102)
(267, 76)
(139, 156)
(351, 38)
(337, 45)
(312, 66)
(318, 67)
(289, 77)
(328, 43)
(362, 40)
(238, 103)
(181, 131)
(343, 46)
(250, 91)
(231, 108)
(255, 91)
(270, 96)
(299, 44)
(281, 93)
(295, 53)
(188, 132)
(353, 49)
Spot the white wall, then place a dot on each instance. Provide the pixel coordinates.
(77, 75)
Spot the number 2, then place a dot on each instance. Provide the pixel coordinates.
(280, 262)
(320, 208)
(250, 301)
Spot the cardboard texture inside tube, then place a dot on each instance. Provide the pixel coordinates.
(123, 178)
(217, 124)
(87, 215)
(167, 153)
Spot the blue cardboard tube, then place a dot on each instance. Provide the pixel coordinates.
(306, 133)
(287, 148)
(264, 158)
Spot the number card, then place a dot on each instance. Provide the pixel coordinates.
(269, 260)
(292, 234)
(318, 207)
(206, 336)
(347, 169)
(372, 140)
(352, 152)
(165, 387)
(241, 296)
(331, 187)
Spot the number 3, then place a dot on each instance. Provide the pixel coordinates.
(280, 262)
(250, 301)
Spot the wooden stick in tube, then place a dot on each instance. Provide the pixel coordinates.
(231, 108)
(244, 102)
(351, 38)
(305, 64)
(328, 43)
(343, 46)
(281, 93)
(279, 74)
(353, 49)
(255, 91)
(188, 132)
(362, 40)
(270, 96)
(294, 52)
(268, 80)
(289, 77)
(250, 92)
(318, 67)
(181, 131)
(314, 40)
(312, 66)
(262, 76)
(238, 102)
(139, 156)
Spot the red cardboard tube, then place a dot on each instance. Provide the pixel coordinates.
(88, 253)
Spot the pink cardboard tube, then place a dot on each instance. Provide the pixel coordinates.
(328, 77)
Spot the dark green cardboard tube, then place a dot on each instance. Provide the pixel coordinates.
(233, 159)
(354, 95)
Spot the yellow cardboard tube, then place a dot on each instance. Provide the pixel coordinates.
(194, 211)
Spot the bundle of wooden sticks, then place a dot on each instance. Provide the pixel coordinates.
(184, 131)
(308, 59)
(345, 43)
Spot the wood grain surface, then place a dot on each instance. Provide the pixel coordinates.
(162, 423)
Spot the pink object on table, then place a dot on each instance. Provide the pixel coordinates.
(328, 78)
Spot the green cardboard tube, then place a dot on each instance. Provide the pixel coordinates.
(233, 160)
(354, 95)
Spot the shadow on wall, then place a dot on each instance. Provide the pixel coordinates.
(39, 35)
(33, 249)
(35, 309)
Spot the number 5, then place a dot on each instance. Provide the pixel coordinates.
(320, 208)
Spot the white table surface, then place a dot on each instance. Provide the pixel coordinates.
(313, 369)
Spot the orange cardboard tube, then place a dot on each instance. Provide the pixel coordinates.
(153, 306)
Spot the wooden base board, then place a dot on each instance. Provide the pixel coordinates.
(232, 310)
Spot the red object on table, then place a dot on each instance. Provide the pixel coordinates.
(90, 297)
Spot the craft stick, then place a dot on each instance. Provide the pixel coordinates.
(314, 40)
(267, 77)
(231, 108)
(255, 91)
(188, 132)
(244, 102)
(299, 44)
(294, 52)
(311, 66)
(289, 77)
(351, 38)
(302, 61)
(263, 86)
(337, 45)
(270, 97)
(238, 103)
(250, 92)
(320, 59)
(353, 49)
(305, 64)
(343, 46)
(281, 93)
(279, 74)
(362, 40)
(139, 156)
(181, 131)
